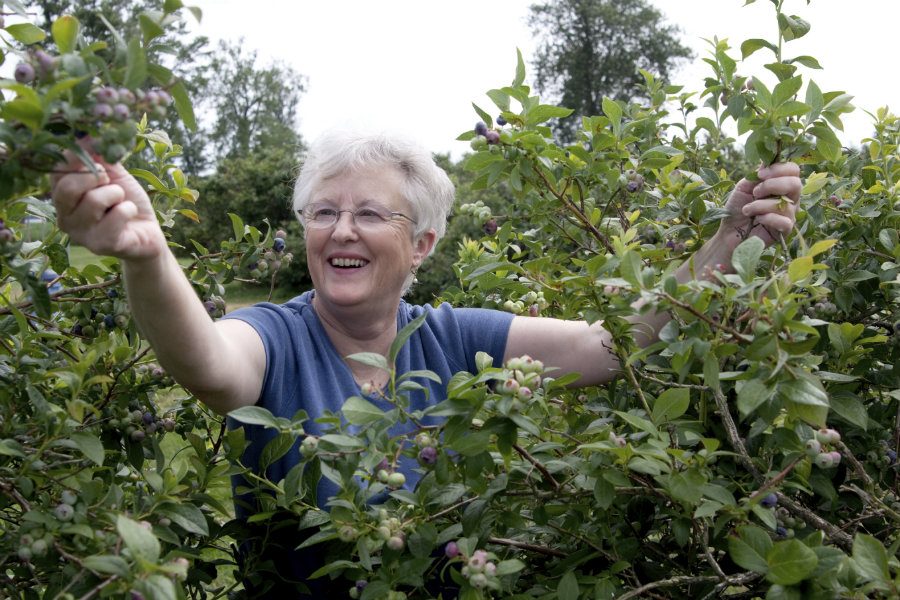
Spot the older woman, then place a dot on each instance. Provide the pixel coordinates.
(373, 208)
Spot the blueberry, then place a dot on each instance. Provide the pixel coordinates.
(210, 306)
(451, 550)
(632, 187)
(109, 321)
(278, 245)
(24, 73)
(490, 227)
(781, 531)
(769, 501)
(480, 128)
(428, 456)
(121, 111)
(892, 454)
(501, 121)
(492, 137)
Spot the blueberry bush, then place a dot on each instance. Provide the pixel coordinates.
(750, 453)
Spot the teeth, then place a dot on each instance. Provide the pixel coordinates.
(348, 262)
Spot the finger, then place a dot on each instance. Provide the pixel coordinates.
(787, 169)
(776, 223)
(789, 186)
(67, 187)
(91, 208)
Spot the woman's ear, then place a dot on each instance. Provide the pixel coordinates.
(423, 245)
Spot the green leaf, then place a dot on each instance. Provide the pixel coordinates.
(65, 32)
(871, 559)
(508, 567)
(792, 27)
(90, 446)
(472, 444)
(27, 113)
(359, 411)
(750, 46)
(671, 404)
(545, 112)
(109, 563)
(26, 33)
(751, 395)
(149, 28)
(142, 543)
(187, 516)
(785, 90)
(404, 334)
(136, 64)
(568, 587)
(237, 225)
(848, 407)
(183, 105)
(746, 556)
(790, 562)
(746, 256)
(372, 359)
(254, 415)
(520, 70)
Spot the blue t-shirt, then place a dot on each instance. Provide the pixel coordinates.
(305, 371)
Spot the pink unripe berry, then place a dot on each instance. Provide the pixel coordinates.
(347, 533)
(490, 569)
(477, 561)
(428, 456)
(510, 386)
(121, 111)
(492, 137)
(152, 98)
(451, 550)
(396, 542)
(106, 95)
(835, 458)
(126, 95)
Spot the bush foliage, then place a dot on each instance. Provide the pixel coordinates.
(751, 452)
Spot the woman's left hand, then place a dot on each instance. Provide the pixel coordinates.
(766, 208)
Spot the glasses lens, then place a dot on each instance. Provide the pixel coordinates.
(372, 216)
(321, 215)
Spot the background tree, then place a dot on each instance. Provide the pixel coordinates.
(254, 107)
(591, 49)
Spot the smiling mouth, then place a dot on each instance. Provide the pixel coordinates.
(348, 263)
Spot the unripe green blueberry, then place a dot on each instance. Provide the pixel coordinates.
(309, 445)
(347, 533)
(396, 479)
(813, 447)
(64, 512)
(823, 461)
(423, 439)
(384, 532)
(68, 497)
(39, 547)
(25, 553)
(396, 542)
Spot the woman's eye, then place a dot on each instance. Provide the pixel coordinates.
(368, 213)
(324, 213)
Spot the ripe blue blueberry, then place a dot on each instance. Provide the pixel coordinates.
(769, 501)
(278, 244)
(24, 73)
(501, 121)
(428, 456)
(481, 128)
(781, 531)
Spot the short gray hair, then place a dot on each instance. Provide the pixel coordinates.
(427, 187)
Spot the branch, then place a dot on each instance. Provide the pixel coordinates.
(680, 580)
(733, 437)
(525, 546)
(538, 464)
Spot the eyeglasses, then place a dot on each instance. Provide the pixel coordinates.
(373, 216)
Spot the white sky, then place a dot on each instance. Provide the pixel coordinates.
(417, 65)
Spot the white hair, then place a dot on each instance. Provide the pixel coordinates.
(427, 187)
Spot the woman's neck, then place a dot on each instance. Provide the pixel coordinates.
(351, 332)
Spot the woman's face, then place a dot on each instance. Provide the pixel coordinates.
(358, 267)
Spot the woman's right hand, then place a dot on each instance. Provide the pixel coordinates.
(109, 213)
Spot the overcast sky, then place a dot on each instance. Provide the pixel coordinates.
(418, 65)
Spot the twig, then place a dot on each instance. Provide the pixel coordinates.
(857, 466)
(538, 464)
(814, 520)
(680, 580)
(526, 546)
(733, 437)
(450, 509)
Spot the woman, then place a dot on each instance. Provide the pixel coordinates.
(373, 208)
